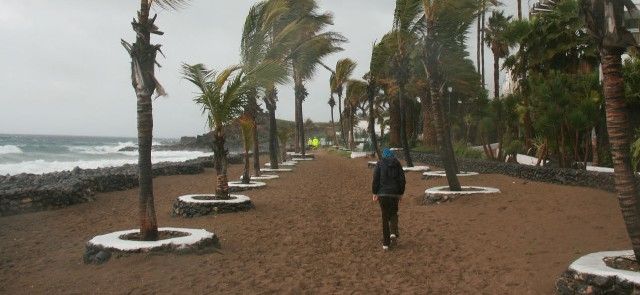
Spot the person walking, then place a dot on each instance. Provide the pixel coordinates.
(388, 187)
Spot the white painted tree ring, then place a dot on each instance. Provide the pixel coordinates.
(114, 240)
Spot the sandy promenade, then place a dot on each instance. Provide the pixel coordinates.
(317, 231)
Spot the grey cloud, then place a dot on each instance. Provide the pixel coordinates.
(64, 71)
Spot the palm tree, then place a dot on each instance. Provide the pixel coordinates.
(483, 6)
(447, 22)
(143, 61)
(605, 21)
(408, 23)
(344, 70)
(310, 45)
(376, 64)
(356, 95)
(223, 97)
(499, 46)
(259, 43)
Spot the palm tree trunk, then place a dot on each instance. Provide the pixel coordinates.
(342, 135)
(220, 159)
(444, 139)
(394, 123)
(371, 93)
(519, 9)
(403, 128)
(148, 221)
(142, 76)
(333, 126)
(482, 47)
(478, 45)
(618, 128)
(246, 174)
(351, 129)
(303, 141)
(270, 102)
(496, 76)
(299, 97)
(253, 111)
(594, 148)
(296, 139)
(428, 132)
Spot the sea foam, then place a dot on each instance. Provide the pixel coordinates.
(102, 149)
(41, 166)
(9, 149)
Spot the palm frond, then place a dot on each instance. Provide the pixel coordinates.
(169, 4)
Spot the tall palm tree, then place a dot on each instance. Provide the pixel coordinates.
(143, 61)
(356, 95)
(495, 39)
(258, 44)
(310, 46)
(344, 70)
(408, 24)
(447, 22)
(376, 64)
(223, 97)
(483, 7)
(605, 21)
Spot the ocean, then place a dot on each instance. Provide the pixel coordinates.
(39, 154)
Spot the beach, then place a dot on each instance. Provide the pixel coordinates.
(316, 230)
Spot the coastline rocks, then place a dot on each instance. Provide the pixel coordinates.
(30, 192)
(572, 282)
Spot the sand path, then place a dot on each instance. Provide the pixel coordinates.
(317, 231)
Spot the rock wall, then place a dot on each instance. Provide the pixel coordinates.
(599, 180)
(571, 283)
(29, 192)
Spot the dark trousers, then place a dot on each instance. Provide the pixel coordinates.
(389, 207)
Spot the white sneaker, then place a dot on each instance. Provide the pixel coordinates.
(393, 236)
(385, 248)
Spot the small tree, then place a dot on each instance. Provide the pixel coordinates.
(344, 70)
(223, 97)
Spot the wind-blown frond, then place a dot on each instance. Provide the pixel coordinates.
(169, 4)
(344, 70)
(222, 96)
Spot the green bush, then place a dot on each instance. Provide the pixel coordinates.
(462, 150)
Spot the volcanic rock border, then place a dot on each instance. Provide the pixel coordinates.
(188, 206)
(24, 193)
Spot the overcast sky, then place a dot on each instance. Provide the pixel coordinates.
(63, 70)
